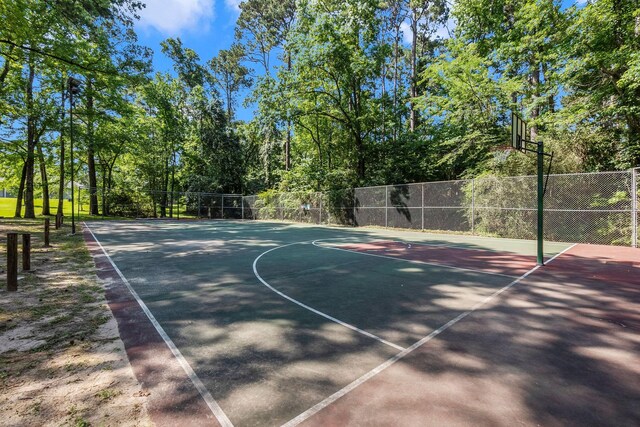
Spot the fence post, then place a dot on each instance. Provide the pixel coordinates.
(473, 205)
(354, 208)
(199, 204)
(422, 205)
(634, 208)
(26, 251)
(242, 207)
(386, 205)
(222, 210)
(320, 219)
(12, 262)
(46, 232)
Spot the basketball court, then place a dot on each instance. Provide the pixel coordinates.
(272, 323)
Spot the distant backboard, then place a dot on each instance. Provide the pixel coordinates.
(518, 132)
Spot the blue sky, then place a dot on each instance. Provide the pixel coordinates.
(205, 26)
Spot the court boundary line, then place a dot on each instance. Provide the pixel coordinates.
(413, 261)
(318, 312)
(215, 408)
(447, 245)
(375, 371)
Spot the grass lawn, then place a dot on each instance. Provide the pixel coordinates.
(8, 207)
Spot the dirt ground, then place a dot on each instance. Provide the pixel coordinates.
(62, 362)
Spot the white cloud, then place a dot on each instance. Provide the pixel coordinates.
(406, 32)
(173, 16)
(233, 5)
(442, 31)
(445, 31)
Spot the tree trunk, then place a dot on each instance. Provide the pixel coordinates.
(383, 103)
(413, 118)
(361, 158)
(104, 186)
(165, 182)
(29, 209)
(287, 144)
(60, 210)
(107, 207)
(535, 113)
(45, 182)
(91, 160)
(173, 183)
(18, 213)
(5, 69)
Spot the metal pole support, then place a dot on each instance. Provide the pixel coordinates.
(12, 262)
(386, 206)
(422, 206)
(73, 217)
(473, 206)
(634, 208)
(540, 231)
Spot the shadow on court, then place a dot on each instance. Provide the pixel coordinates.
(561, 347)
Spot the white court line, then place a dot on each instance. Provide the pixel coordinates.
(326, 316)
(443, 245)
(413, 261)
(210, 401)
(337, 395)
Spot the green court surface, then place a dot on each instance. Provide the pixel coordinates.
(275, 318)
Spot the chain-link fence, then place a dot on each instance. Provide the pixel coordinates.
(164, 204)
(635, 207)
(600, 208)
(597, 208)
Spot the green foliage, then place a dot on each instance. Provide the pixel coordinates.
(345, 93)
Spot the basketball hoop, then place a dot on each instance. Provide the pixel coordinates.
(502, 153)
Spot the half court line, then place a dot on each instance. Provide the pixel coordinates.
(471, 270)
(326, 316)
(375, 371)
(204, 393)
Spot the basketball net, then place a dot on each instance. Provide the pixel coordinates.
(502, 153)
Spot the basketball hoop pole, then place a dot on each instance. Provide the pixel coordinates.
(520, 143)
(540, 154)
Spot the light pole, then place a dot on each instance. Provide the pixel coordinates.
(74, 89)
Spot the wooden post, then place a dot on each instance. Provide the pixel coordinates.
(12, 262)
(26, 252)
(47, 226)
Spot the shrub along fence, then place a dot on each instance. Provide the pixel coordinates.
(597, 208)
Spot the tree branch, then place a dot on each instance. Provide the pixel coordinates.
(59, 58)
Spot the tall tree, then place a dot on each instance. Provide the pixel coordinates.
(603, 75)
(229, 75)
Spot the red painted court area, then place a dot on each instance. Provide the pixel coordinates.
(510, 264)
(559, 349)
